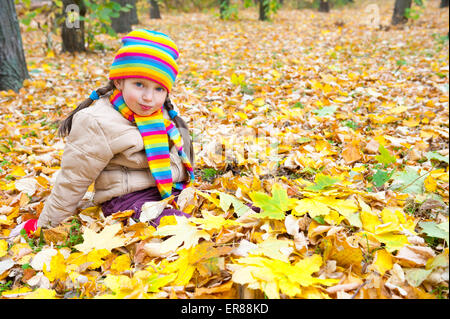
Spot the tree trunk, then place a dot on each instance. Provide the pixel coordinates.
(154, 10)
(263, 10)
(122, 24)
(444, 3)
(399, 11)
(13, 66)
(72, 31)
(224, 5)
(134, 15)
(324, 6)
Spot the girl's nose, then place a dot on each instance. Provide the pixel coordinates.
(148, 95)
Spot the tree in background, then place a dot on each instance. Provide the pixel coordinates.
(154, 10)
(123, 23)
(324, 6)
(224, 6)
(13, 66)
(79, 20)
(133, 13)
(264, 6)
(400, 7)
(267, 7)
(72, 29)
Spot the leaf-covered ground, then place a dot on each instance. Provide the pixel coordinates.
(336, 130)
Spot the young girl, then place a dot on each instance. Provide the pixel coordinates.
(126, 141)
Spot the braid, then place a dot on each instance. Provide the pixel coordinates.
(184, 130)
(66, 125)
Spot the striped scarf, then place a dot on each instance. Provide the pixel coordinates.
(155, 130)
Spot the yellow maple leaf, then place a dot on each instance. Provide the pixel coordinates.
(259, 101)
(218, 111)
(237, 79)
(16, 292)
(242, 115)
(106, 239)
(18, 172)
(183, 233)
(57, 268)
(313, 206)
(121, 263)
(392, 241)
(94, 258)
(395, 221)
(182, 267)
(41, 293)
(275, 276)
(430, 184)
(333, 218)
(274, 248)
(3, 248)
(369, 219)
(382, 262)
(345, 207)
(123, 287)
(212, 222)
(7, 186)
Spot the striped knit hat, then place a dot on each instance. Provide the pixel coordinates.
(146, 54)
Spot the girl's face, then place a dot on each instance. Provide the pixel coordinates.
(142, 96)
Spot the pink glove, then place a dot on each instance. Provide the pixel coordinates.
(30, 226)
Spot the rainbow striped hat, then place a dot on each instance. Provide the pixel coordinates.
(146, 54)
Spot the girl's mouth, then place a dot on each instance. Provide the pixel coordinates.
(145, 108)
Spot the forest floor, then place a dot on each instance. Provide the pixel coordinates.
(338, 130)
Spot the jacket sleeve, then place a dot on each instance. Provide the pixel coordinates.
(86, 154)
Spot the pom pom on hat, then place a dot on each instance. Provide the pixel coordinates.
(146, 54)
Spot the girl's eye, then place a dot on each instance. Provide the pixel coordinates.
(160, 89)
(138, 84)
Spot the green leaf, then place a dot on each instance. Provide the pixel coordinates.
(226, 200)
(385, 158)
(302, 140)
(415, 277)
(355, 220)
(322, 182)
(435, 230)
(271, 207)
(319, 219)
(381, 177)
(408, 181)
(325, 111)
(436, 156)
(4, 149)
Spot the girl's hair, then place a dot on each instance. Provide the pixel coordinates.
(66, 124)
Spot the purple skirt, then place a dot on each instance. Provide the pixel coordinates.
(135, 201)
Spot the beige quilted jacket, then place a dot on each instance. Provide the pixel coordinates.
(106, 148)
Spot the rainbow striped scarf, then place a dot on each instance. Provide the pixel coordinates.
(155, 130)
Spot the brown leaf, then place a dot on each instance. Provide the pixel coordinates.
(351, 154)
(372, 147)
(414, 256)
(57, 234)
